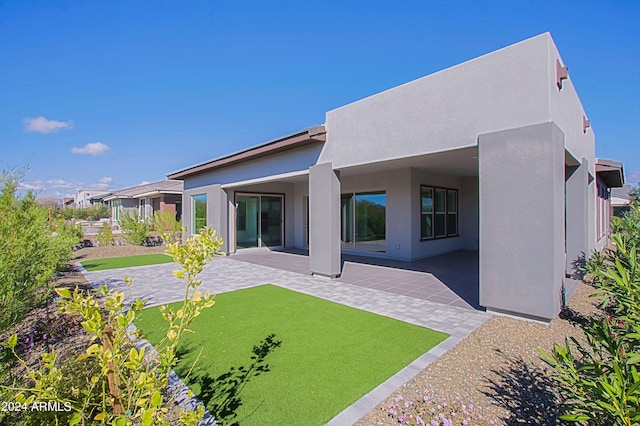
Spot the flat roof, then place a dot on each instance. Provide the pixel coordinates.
(312, 135)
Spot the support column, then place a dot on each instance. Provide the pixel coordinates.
(218, 213)
(324, 221)
(576, 185)
(521, 179)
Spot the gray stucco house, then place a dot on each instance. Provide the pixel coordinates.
(494, 155)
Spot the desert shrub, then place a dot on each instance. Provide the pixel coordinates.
(93, 212)
(105, 235)
(129, 385)
(30, 253)
(599, 380)
(628, 224)
(97, 211)
(135, 230)
(166, 224)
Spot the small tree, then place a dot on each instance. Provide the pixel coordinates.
(135, 230)
(166, 224)
(105, 235)
(30, 252)
(129, 385)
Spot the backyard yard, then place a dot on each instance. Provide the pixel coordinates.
(272, 356)
(275, 356)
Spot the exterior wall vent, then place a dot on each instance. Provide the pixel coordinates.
(562, 73)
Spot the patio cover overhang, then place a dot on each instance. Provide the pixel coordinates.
(312, 135)
(610, 172)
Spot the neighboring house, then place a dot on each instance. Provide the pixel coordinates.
(147, 199)
(620, 200)
(84, 196)
(493, 155)
(68, 202)
(100, 199)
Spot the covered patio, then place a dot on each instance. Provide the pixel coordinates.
(449, 279)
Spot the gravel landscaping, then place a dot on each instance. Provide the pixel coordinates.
(498, 369)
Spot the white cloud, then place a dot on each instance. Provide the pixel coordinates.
(61, 188)
(44, 126)
(95, 149)
(60, 183)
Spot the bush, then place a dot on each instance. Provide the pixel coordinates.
(128, 385)
(30, 253)
(105, 235)
(166, 224)
(599, 380)
(92, 213)
(134, 230)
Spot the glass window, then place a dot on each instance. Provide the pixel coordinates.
(452, 212)
(363, 221)
(426, 223)
(199, 212)
(438, 212)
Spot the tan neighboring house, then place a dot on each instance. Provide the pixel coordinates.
(147, 200)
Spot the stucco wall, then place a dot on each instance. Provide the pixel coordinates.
(290, 161)
(447, 110)
(522, 265)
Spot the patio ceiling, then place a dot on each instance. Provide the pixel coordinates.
(460, 162)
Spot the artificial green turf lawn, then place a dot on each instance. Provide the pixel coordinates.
(125, 262)
(328, 357)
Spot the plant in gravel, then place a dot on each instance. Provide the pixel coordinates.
(129, 385)
(135, 229)
(30, 253)
(429, 410)
(166, 224)
(105, 235)
(629, 223)
(600, 380)
(45, 330)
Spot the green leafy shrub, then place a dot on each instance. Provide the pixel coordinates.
(166, 224)
(135, 230)
(93, 212)
(30, 252)
(129, 385)
(105, 235)
(599, 380)
(628, 224)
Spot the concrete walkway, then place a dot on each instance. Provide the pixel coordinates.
(156, 284)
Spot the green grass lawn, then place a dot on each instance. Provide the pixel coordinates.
(274, 356)
(125, 262)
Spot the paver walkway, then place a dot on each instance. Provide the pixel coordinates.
(156, 284)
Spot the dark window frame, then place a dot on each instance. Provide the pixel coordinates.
(446, 213)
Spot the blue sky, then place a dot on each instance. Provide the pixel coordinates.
(109, 94)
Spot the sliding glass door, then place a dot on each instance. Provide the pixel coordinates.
(363, 222)
(259, 221)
